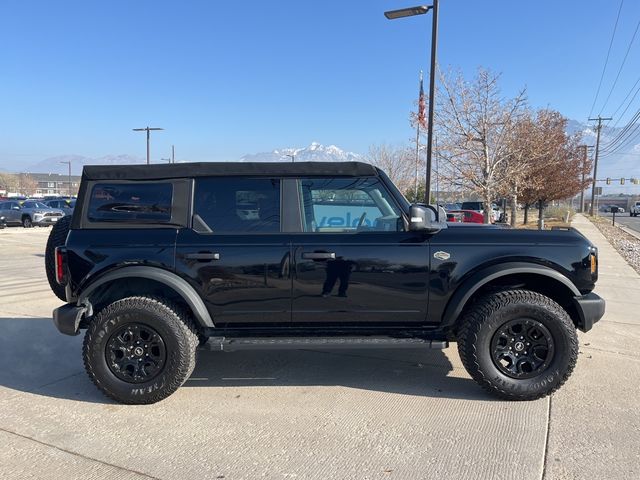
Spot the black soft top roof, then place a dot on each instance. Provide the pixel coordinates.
(201, 169)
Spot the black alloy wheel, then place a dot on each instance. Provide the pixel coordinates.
(522, 348)
(136, 353)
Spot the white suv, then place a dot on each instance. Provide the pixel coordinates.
(634, 210)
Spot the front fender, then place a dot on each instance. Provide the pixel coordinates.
(476, 281)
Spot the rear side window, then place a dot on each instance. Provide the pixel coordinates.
(130, 202)
(238, 205)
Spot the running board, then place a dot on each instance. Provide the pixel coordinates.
(288, 343)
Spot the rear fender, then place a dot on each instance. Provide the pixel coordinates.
(179, 285)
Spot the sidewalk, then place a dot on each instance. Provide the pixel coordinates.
(594, 423)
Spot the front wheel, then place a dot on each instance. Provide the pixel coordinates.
(26, 222)
(518, 344)
(139, 350)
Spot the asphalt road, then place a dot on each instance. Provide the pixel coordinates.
(310, 414)
(624, 219)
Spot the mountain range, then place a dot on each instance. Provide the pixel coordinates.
(315, 152)
(623, 163)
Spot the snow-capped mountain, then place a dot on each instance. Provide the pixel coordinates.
(312, 153)
(58, 164)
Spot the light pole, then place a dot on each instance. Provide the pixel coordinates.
(147, 129)
(68, 162)
(291, 156)
(410, 12)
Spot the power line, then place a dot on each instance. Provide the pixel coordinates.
(624, 60)
(615, 27)
(623, 136)
(628, 105)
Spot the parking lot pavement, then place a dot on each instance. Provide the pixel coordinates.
(302, 414)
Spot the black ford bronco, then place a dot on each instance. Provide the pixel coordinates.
(159, 259)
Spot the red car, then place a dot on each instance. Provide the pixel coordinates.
(465, 216)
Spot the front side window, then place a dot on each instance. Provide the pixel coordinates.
(235, 205)
(348, 205)
(130, 202)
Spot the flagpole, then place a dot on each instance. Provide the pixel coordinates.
(417, 160)
(420, 120)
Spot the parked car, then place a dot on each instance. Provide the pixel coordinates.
(3, 222)
(479, 207)
(451, 206)
(467, 216)
(66, 205)
(29, 213)
(634, 210)
(165, 257)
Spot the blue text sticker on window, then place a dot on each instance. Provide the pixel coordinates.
(347, 216)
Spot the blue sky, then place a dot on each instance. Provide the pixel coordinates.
(228, 78)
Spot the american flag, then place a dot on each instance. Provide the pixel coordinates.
(422, 119)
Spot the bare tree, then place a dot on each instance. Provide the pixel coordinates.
(8, 182)
(28, 185)
(475, 125)
(397, 163)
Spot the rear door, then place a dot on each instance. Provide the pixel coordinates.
(13, 212)
(235, 254)
(355, 263)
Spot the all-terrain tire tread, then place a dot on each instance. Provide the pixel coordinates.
(187, 339)
(475, 316)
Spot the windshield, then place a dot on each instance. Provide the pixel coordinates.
(472, 206)
(34, 205)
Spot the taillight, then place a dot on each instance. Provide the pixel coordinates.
(60, 266)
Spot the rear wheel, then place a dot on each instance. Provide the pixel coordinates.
(517, 344)
(139, 350)
(57, 238)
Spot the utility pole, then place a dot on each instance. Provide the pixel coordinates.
(173, 154)
(148, 130)
(68, 162)
(595, 161)
(584, 162)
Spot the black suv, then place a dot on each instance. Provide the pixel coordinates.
(158, 259)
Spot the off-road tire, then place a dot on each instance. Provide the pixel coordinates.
(57, 238)
(174, 326)
(482, 320)
(26, 221)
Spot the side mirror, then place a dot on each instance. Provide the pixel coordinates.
(426, 218)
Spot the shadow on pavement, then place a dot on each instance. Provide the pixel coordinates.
(35, 358)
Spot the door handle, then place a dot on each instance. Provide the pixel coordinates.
(203, 256)
(319, 256)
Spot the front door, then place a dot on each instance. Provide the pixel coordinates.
(355, 263)
(235, 254)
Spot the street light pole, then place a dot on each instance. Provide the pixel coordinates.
(409, 12)
(68, 162)
(291, 156)
(432, 98)
(148, 130)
